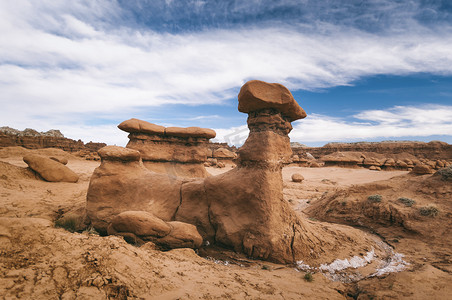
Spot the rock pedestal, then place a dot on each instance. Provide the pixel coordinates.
(171, 150)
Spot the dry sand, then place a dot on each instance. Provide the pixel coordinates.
(43, 262)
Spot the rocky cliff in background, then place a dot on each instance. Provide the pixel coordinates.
(432, 150)
(32, 139)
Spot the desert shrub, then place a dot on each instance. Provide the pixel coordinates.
(429, 210)
(70, 223)
(407, 201)
(445, 173)
(308, 277)
(91, 230)
(375, 198)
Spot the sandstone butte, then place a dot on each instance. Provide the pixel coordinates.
(242, 209)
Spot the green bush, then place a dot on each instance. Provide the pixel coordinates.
(70, 223)
(407, 201)
(445, 173)
(429, 210)
(308, 277)
(375, 198)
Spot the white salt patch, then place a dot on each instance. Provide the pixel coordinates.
(302, 266)
(354, 262)
(394, 264)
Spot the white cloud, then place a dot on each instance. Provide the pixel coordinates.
(58, 62)
(396, 122)
(393, 123)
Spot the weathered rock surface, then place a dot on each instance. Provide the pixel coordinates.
(61, 160)
(140, 223)
(394, 153)
(140, 227)
(182, 235)
(50, 169)
(256, 95)
(223, 153)
(126, 185)
(31, 139)
(174, 150)
(243, 209)
(297, 177)
(422, 170)
(398, 161)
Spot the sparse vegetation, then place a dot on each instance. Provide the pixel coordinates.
(91, 230)
(445, 173)
(429, 210)
(407, 201)
(375, 198)
(266, 267)
(69, 223)
(308, 277)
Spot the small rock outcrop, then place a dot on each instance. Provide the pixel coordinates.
(140, 227)
(223, 153)
(422, 170)
(50, 169)
(171, 150)
(297, 177)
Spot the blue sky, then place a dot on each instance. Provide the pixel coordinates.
(363, 70)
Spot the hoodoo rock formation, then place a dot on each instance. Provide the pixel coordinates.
(242, 209)
(171, 150)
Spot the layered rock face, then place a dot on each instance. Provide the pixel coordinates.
(32, 139)
(242, 209)
(377, 161)
(171, 150)
(434, 150)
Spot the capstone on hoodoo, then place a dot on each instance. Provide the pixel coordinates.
(172, 150)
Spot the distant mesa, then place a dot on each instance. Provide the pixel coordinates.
(32, 139)
(387, 155)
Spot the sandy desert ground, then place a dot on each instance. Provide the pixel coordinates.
(41, 261)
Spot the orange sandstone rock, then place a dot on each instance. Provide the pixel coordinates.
(50, 169)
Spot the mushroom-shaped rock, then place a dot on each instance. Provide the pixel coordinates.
(119, 153)
(182, 235)
(297, 177)
(256, 95)
(135, 125)
(190, 132)
(50, 169)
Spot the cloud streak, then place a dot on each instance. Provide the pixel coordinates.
(393, 123)
(67, 61)
(396, 122)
